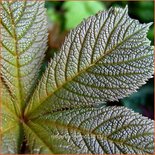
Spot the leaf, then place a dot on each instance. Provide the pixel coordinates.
(11, 131)
(7, 100)
(110, 130)
(35, 143)
(24, 37)
(105, 58)
(11, 135)
(87, 8)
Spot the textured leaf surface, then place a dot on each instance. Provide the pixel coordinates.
(24, 37)
(8, 100)
(92, 130)
(11, 134)
(35, 143)
(104, 59)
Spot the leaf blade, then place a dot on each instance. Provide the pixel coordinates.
(11, 138)
(11, 131)
(24, 38)
(96, 130)
(8, 101)
(96, 64)
(37, 144)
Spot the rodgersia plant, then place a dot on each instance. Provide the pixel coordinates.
(105, 58)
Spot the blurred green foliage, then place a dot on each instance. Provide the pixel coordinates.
(74, 15)
(142, 100)
(68, 14)
(144, 11)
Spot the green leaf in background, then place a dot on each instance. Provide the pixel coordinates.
(151, 34)
(77, 10)
(144, 10)
(52, 15)
(139, 99)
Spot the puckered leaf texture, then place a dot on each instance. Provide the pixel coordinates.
(24, 38)
(11, 129)
(110, 130)
(104, 59)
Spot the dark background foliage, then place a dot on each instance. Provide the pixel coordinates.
(66, 15)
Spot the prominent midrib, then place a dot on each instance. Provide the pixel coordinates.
(28, 113)
(42, 140)
(85, 132)
(17, 65)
